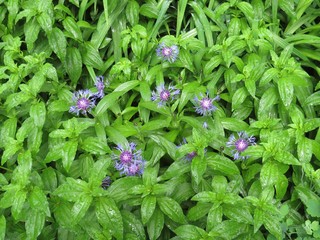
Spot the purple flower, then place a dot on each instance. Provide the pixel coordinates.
(106, 182)
(163, 95)
(129, 161)
(167, 53)
(240, 144)
(83, 102)
(204, 105)
(100, 85)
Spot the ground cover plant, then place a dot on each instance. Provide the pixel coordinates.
(190, 119)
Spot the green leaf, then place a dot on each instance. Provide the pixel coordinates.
(313, 207)
(18, 202)
(234, 124)
(38, 201)
(69, 151)
(198, 211)
(38, 114)
(304, 150)
(190, 232)
(80, 208)
(132, 12)
(73, 64)
(223, 165)
(49, 179)
(172, 209)
(31, 30)
(156, 124)
(198, 168)
(58, 43)
(90, 56)
(155, 224)
(34, 224)
(167, 145)
(111, 98)
(119, 188)
(95, 146)
(131, 224)
(258, 219)
(285, 91)
(286, 158)
(45, 21)
(71, 189)
(238, 213)
(71, 26)
(109, 216)
(148, 206)
(273, 226)
(269, 174)
(2, 227)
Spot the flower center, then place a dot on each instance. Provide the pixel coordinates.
(241, 145)
(125, 157)
(133, 169)
(164, 95)
(83, 103)
(166, 51)
(206, 103)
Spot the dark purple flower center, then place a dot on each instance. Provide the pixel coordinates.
(164, 95)
(126, 157)
(166, 51)
(206, 103)
(241, 145)
(83, 103)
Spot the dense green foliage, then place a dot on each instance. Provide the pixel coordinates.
(259, 57)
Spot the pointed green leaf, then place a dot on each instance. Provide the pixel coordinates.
(80, 208)
(190, 232)
(155, 224)
(73, 64)
(172, 209)
(58, 43)
(34, 224)
(148, 206)
(131, 224)
(109, 216)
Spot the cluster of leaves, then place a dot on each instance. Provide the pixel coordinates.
(261, 58)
